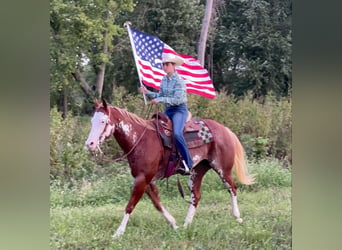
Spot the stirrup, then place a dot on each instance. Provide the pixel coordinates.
(183, 169)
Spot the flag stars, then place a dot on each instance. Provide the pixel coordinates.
(148, 48)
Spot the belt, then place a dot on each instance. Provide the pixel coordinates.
(169, 105)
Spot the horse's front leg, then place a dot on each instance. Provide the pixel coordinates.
(137, 192)
(153, 192)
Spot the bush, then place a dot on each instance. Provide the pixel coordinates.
(97, 192)
(263, 129)
(69, 159)
(268, 173)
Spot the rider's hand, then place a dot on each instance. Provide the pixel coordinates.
(143, 90)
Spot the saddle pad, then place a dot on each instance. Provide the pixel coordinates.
(197, 133)
(202, 136)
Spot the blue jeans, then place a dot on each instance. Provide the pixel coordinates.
(178, 115)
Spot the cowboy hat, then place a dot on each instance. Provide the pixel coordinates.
(172, 58)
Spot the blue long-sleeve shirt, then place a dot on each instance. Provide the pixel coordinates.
(172, 91)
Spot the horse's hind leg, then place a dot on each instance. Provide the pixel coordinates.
(195, 182)
(153, 192)
(231, 187)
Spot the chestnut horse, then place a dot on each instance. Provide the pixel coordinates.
(148, 158)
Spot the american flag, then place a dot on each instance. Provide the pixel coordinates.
(148, 52)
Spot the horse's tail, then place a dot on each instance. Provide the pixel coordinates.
(239, 161)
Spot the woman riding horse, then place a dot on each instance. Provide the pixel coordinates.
(172, 93)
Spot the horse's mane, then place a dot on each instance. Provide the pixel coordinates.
(135, 118)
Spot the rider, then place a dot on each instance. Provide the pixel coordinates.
(172, 93)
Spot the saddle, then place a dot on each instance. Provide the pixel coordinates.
(196, 133)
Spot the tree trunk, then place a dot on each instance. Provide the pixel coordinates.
(84, 85)
(100, 79)
(204, 31)
(65, 101)
(102, 68)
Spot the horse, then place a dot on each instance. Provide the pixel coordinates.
(148, 158)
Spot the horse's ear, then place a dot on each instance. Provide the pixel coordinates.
(96, 102)
(104, 103)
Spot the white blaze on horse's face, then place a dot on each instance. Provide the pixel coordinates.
(100, 129)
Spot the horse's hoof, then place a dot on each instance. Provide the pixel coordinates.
(240, 220)
(117, 235)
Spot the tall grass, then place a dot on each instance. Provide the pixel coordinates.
(85, 216)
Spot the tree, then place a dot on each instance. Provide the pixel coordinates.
(204, 31)
(253, 47)
(175, 22)
(247, 49)
(81, 43)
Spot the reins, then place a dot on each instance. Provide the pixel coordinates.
(179, 184)
(149, 109)
(130, 151)
(148, 112)
(134, 146)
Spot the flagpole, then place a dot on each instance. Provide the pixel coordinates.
(127, 24)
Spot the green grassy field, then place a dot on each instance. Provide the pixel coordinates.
(86, 216)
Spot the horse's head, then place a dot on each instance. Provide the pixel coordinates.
(101, 126)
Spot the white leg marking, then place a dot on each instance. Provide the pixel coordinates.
(122, 226)
(192, 208)
(170, 218)
(191, 182)
(236, 211)
(190, 215)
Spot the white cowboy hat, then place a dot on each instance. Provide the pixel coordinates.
(172, 58)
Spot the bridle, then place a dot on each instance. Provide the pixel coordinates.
(104, 135)
(111, 133)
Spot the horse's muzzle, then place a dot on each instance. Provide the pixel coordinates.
(91, 145)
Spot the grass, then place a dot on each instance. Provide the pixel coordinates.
(80, 221)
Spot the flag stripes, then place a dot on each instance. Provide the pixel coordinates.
(148, 51)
